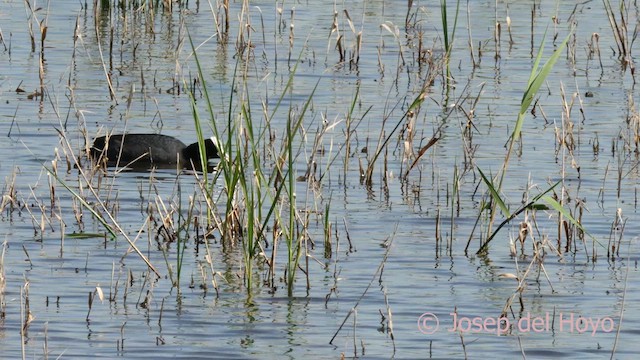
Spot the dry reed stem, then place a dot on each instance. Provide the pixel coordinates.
(3, 282)
(353, 311)
(101, 204)
(23, 315)
(10, 194)
(107, 75)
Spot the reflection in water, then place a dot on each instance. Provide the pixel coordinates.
(359, 68)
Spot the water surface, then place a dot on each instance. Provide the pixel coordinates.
(396, 217)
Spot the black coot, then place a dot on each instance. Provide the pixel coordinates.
(146, 150)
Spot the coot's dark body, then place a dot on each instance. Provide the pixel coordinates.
(145, 150)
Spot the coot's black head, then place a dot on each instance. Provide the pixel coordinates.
(191, 153)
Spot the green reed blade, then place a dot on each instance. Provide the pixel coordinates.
(495, 195)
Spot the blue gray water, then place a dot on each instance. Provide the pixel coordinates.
(562, 303)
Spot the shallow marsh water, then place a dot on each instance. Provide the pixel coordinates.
(396, 217)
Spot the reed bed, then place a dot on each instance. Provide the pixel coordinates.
(268, 219)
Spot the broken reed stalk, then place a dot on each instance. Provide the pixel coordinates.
(340, 42)
(594, 49)
(10, 196)
(354, 54)
(42, 27)
(30, 26)
(620, 29)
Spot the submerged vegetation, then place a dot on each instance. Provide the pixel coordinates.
(420, 130)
